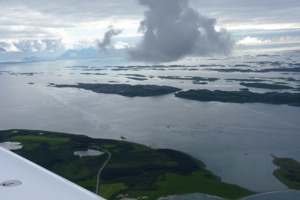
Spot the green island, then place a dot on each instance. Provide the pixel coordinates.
(267, 86)
(122, 89)
(244, 96)
(288, 172)
(195, 79)
(133, 170)
(137, 77)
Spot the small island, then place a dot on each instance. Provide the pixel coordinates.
(194, 79)
(123, 89)
(267, 86)
(288, 172)
(244, 96)
(133, 170)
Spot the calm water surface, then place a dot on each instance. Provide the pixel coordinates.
(234, 140)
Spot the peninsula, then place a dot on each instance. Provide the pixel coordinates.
(123, 89)
(133, 170)
(288, 172)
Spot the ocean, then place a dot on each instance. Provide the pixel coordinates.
(235, 141)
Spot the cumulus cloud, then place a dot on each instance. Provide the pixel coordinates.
(249, 41)
(122, 45)
(49, 45)
(253, 41)
(173, 30)
(106, 41)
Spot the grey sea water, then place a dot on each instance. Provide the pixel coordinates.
(234, 140)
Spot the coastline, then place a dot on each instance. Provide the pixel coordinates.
(255, 196)
(135, 169)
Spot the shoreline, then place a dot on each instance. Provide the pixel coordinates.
(267, 193)
(173, 172)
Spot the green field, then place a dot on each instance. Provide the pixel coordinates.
(134, 170)
(288, 172)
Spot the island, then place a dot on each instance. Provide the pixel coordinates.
(122, 89)
(267, 86)
(244, 96)
(136, 77)
(280, 69)
(133, 170)
(195, 79)
(288, 172)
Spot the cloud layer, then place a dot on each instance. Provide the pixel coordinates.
(31, 45)
(72, 21)
(173, 30)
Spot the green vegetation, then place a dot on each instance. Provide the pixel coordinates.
(266, 86)
(288, 172)
(123, 89)
(137, 77)
(292, 99)
(134, 170)
(195, 79)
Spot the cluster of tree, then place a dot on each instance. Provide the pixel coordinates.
(185, 164)
(290, 167)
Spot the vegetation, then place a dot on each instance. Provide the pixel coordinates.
(134, 170)
(267, 86)
(195, 79)
(288, 172)
(244, 96)
(123, 89)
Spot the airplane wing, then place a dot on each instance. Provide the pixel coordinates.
(22, 179)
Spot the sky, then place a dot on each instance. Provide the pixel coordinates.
(57, 25)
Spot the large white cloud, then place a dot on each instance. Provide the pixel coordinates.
(248, 41)
(173, 30)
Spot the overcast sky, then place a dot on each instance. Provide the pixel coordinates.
(76, 23)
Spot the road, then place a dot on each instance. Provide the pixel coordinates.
(99, 173)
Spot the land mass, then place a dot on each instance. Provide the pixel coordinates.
(292, 99)
(267, 86)
(123, 89)
(195, 79)
(134, 170)
(288, 172)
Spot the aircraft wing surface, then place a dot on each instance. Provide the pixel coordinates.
(22, 179)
